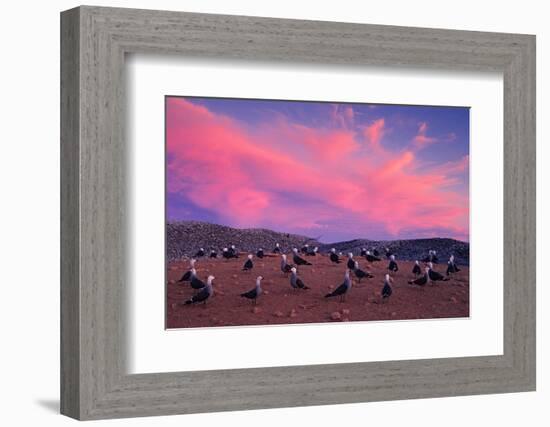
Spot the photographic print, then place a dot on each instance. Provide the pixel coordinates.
(296, 212)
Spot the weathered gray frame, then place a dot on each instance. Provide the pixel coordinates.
(94, 41)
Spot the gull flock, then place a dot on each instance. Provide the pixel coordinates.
(421, 275)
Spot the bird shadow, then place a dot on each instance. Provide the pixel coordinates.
(51, 405)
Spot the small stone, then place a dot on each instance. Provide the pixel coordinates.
(234, 276)
(302, 306)
(453, 299)
(335, 316)
(171, 282)
(345, 319)
(278, 314)
(221, 293)
(292, 313)
(393, 313)
(345, 312)
(256, 310)
(266, 292)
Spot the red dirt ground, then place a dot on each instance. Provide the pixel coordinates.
(280, 304)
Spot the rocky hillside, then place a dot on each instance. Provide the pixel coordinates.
(184, 238)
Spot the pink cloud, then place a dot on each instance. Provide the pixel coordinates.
(294, 177)
(421, 140)
(374, 133)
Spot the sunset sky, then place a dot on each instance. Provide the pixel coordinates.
(333, 171)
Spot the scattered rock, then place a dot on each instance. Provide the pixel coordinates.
(345, 312)
(266, 292)
(256, 310)
(453, 299)
(278, 314)
(292, 313)
(345, 319)
(335, 315)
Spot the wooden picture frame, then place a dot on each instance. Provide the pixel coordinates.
(94, 41)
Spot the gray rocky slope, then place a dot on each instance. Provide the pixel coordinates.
(184, 238)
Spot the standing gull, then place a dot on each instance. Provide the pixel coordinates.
(451, 266)
(248, 264)
(196, 283)
(422, 281)
(295, 281)
(416, 269)
(226, 254)
(200, 253)
(351, 262)
(299, 260)
(363, 252)
(312, 251)
(341, 290)
(334, 256)
(260, 253)
(436, 276)
(213, 253)
(361, 274)
(254, 293)
(285, 267)
(187, 275)
(371, 258)
(277, 249)
(387, 289)
(233, 252)
(393, 265)
(205, 293)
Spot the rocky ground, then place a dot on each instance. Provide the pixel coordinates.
(184, 238)
(280, 304)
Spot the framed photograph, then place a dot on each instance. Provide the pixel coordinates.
(282, 213)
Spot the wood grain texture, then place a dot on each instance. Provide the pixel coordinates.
(94, 382)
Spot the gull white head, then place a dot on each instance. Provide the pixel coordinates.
(388, 279)
(452, 258)
(431, 265)
(260, 249)
(209, 280)
(192, 262)
(306, 245)
(258, 281)
(225, 249)
(356, 265)
(435, 252)
(333, 250)
(368, 252)
(202, 249)
(293, 269)
(249, 256)
(295, 250)
(232, 246)
(276, 245)
(392, 257)
(350, 255)
(427, 270)
(193, 272)
(315, 249)
(417, 263)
